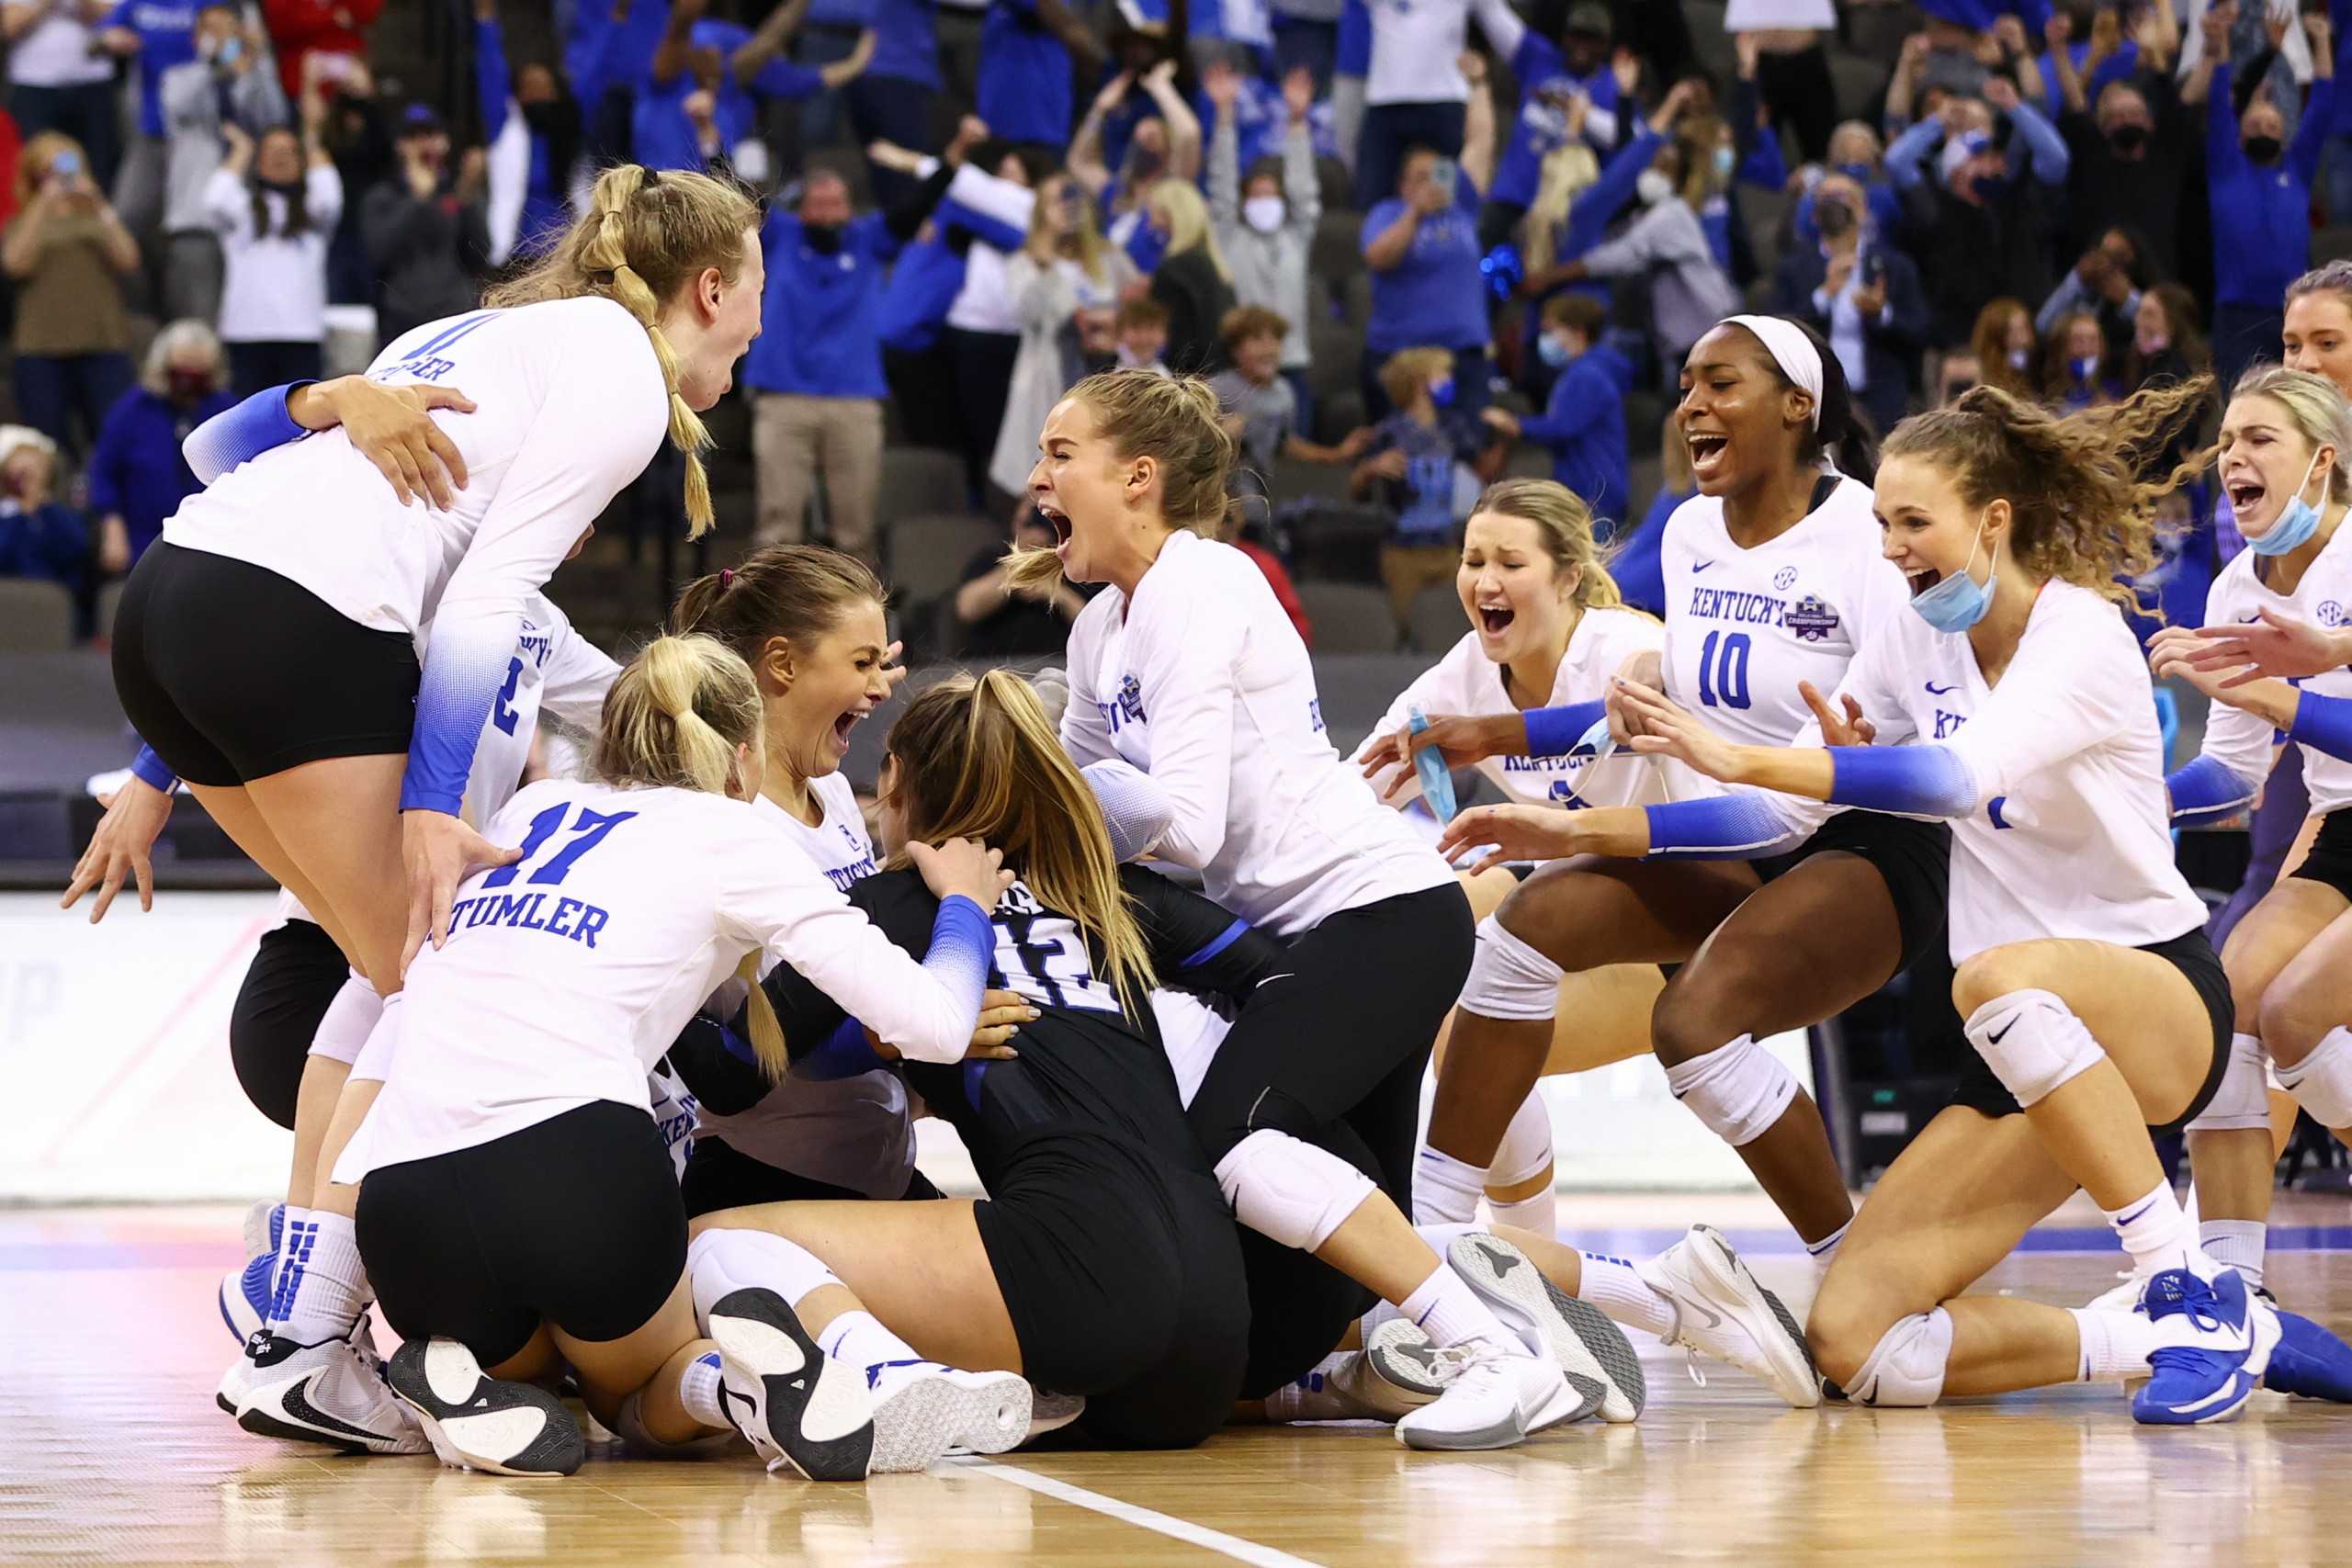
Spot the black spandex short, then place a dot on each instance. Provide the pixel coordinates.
(232, 672)
(2330, 862)
(295, 974)
(2193, 956)
(1913, 857)
(1122, 1274)
(720, 1176)
(575, 1220)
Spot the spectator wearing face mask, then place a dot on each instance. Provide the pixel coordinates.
(699, 107)
(2006, 346)
(1979, 222)
(2130, 146)
(1860, 294)
(2260, 189)
(1958, 372)
(228, 82)
(425, 229)
(138, 477)
(1422, 245)
(531, 123)
(2075, 365)
(1583, 424)
(40, 536)
(1855, 153)
(1424, 463)
(1265, 225)
(274, 229)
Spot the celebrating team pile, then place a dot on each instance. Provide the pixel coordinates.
(610, 1078)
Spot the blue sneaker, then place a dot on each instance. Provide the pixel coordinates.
(2225, 1340)
(245, 1296)
(2309, 1361)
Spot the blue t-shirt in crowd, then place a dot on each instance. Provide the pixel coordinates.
(2262, 221)
(1636, 561)
(1979, 16)
(136, 468)
(1583, 426)
(1435, 295)
(662, 133)
(1421, 503)
(1025, 75)
(1545, 86)
(906, 42)
(603, 53)
(821, 315)
(166, 30)
(841, 14)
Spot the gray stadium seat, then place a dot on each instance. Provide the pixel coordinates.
(1349, 618)
(1336, 544)
(109, 598)
(1435, 622)
(1355, 294)
(1648, 475)
(2331, 244)
(1528, 462)
(36, 617)
(1338, 249)
(1295, 481)
(920, 481)
(1337, 350)
(927, 554)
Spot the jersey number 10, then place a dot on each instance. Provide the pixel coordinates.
(1722, 679)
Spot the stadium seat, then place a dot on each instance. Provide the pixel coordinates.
(1295, 480)
(1527, 461)
(1435, 622)
(1349, 618)
(920, 481)
(36, 615)
(1335, 543)
(1338, 250)
(1355, 295)
(109, 598)
(926, 555)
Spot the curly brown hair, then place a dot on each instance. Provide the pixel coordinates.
(2082, 499)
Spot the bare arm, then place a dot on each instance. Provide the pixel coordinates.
(18, 19)
(670, 54)
(1388, 246)
(1183, 125)
(21, 253)
(768, 43)
(1085, 158)
(1478, 124)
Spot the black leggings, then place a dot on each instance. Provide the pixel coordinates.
(575, 1220)
(1332, 1053)
(720, 1176)
(295, 974)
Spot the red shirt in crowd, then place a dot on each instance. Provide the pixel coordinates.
(1278, 577)
(303, 27)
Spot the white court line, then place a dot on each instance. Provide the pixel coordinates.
(1145, 1518)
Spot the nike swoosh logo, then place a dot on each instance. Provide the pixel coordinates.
(1996, 1039)
(303, 1410)
(727, 1396)
(2134, 1213)
(1701, 566)
(1936, 690)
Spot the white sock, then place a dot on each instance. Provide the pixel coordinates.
(1617, 1288)
(1449, 1312)
(1313, 1398)
(2235, 1243)
(699, 1391)
(2116, 1345)
(1539, 1211)
(2158, 1236)
(858, 1339)
(1824, 1251)
(1445, 1190)
(321, 1283)
(294, 1222)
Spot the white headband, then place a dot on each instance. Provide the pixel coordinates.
(1792, 350)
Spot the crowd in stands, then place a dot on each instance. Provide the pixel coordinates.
(1416, 243)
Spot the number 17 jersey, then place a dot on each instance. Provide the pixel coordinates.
(1743, 627)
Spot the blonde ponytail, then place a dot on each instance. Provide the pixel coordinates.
(675, 716)
(645, 235)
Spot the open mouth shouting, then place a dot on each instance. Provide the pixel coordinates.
(1926, 576)
(844, 724)
(2245, 493)
(1059, 523)
(1707, 452)
(1495, 619)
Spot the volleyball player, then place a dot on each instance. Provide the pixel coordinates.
(510, 1172)
(1547, 630)
(1186, 668)
(1774, 577)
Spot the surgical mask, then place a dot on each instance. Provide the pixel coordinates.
(2128, 138)
(1653, 186)
(1442, 393)
(2019, 359)
(228, 51)
(1726, 160)
(1959, 602)
(2262, 149)
(189, 386)
(2295, 526)
(1552, 351)
(2085, 367)
(1263, 214)
(823, 238)
(2152, 342)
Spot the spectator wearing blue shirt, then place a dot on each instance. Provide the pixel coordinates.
(1026, 47)
(891, 102)
(1861, 295)
(1422, 247)
(1583, 426)
(531, 127)
(696, 106)
(155, 35)
(2260, 188)
(136, 476)
(608, 61)
(1633, 558)
(1426, 459)
(39, 537)
(1551, 79)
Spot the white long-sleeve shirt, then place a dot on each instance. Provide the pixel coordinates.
(1416, 43)
(273, 287)
(1201, 682)
(570, 408)
(2241, 741)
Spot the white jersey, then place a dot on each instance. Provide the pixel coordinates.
(1203, 683)
(1467, 682)
(850, 1132)
(572, 407)
(2068, 835)
(568, 975)
(1742, 628)
(2241, 741)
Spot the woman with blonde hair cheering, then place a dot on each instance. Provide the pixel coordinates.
(1192, 279)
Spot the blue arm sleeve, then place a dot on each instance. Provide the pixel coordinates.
(151, 768)
(491, 79)
(962, 942)
(2311, 131)
(1554, 732)
(846, 1053)
(2324, 724)
(241, 434)
(2205, 790)
(1910, 149)
(1723, 827)
(2224, 156)
(1916, 781)
(2051, 159)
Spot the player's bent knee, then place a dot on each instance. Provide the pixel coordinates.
(1905, 1368)
(2242, 1100)
(2289, 1029)
(1510, 980)
(1290, 1192)
(1691, 1016)
(1997, 972)
(2033, 1042)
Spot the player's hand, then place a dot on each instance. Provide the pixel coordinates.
(123, 844)
(440, 851)
(2274, 646)
(1647, 667)
(392, 427)
(1512, 833)
(1002, 1015)
(1669, 730)
(963, 866)
(1462, 740)
(1850, 728)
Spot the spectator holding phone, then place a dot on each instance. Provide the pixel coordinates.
(229, 83)
(1422, 247)
(1858, 293)
(68, 252)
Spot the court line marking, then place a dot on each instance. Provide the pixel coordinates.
(1232, 1546)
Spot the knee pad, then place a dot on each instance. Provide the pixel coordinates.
(1738, 1089)
(1525, 1152)
(2243, 1099)
(2033, 1042)
(374, 1058)
(1509, 979)
(2322, 1082)
(348, 1020)
(1289, 1192)
(1905, 1369)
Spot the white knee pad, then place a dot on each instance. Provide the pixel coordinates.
(1525, 1152)
(1290, 1192)
(721, 1262)
(2243, 1099)
(2033, 1042)
(1906, 1369)
(375, 1057)
(1509, 979)
(2322, 1082)
(345, 1027)
(1738, 1089)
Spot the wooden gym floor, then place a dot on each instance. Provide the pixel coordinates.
(111, 1451)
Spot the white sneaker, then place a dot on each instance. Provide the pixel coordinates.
(332, 1393)
(242, 1304)
(1594, 1352)
(478, 1422)
(1495, 1396)
(265, 1228)
(1722, 1311)
(1397, 1372)
(1051, 1412)
(799, 1406)
(922, 1409)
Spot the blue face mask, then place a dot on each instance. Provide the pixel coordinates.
(1442, 393)
(2295, 526)
(1552, 351)
(1959, 602)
